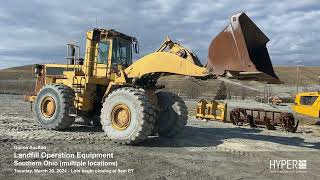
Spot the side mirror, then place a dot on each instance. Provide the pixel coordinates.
(81, 60)
(38, 70)
(136, 47)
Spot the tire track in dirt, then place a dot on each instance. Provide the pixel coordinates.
(207, 150)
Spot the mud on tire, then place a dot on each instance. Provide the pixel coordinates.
(63, 97)
(173, 115)
(142, 115)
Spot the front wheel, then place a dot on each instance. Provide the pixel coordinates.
(127, 116)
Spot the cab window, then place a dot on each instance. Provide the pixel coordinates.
(308, 100)
(121, 52)
(103, 52)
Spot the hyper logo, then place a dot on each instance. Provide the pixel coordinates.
(288, 165)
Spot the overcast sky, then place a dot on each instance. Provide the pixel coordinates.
(35, 31)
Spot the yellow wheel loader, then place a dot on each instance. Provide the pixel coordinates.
(125, 94)
(307, 103)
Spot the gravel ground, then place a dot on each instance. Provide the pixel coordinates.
(206, 150)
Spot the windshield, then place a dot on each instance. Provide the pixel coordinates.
(121, 52)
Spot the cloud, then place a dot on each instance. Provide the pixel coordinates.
(36, 31)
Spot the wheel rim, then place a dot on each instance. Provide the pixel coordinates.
(120, 117)
(48, 107)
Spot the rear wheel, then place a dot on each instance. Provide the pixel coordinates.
(53, 105)
(172, 116)
(127, 116)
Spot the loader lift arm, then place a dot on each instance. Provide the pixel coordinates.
(179, 50)
(169, 58)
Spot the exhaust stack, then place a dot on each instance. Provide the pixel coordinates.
(240, 52)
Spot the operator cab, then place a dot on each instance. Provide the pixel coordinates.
(115, 47)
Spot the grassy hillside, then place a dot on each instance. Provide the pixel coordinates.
(19, 80)
(308, 75)
(17, 73)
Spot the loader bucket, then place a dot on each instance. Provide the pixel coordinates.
(240, 52)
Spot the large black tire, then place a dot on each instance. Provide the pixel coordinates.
(172, 116)
(142, 115)
(63, 97)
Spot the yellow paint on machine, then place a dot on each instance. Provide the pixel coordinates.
(307, 103)
(212, 110)
(164, 62)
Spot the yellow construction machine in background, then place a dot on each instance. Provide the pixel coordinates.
(212, 110)
(307, 103)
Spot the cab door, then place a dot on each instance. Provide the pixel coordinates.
(104, 55)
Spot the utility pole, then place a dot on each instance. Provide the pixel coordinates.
(268, 93)
(298, 64)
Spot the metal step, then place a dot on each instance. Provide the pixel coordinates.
(80, 94)
(78, 85)
(73, 115)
